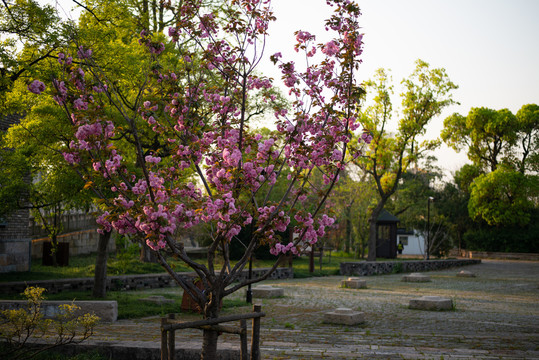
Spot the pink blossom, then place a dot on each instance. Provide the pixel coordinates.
(80, 104)
(84, 54)
(304, 36)
(36, 87)
(232, 158)
(331, 48)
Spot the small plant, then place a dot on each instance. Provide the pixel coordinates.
(454, 304)
(19, 326)
(397, 268)
(288, 325)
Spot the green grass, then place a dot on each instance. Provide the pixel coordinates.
(128, 264)
(83, 266)
(129, 305)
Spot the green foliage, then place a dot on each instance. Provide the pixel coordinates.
(502, 197)
(19, 327)
(35, 174)
(488, 135)
(397, 269)
(519, 239)
(528, 127)
(388, 157)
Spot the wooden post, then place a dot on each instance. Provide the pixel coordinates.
(244, 353)
(164, 346)
(171, 341)
(255, 336)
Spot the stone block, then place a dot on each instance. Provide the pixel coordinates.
(416, 277)
(354, 283)
(106, 310)
(267, 291)
(465, 273)
(344, 316)
(436, 303)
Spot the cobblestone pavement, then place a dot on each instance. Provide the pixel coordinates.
(496, 316)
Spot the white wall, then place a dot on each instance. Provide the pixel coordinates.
(415, 246)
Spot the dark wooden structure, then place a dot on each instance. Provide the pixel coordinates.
(170, 325)
(386, 235)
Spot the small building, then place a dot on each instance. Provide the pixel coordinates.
(413, 242)
(386, 235)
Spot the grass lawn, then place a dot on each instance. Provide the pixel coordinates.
(128, 263)
(129, 305)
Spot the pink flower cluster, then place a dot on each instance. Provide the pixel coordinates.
(202, 124)
(36, 87)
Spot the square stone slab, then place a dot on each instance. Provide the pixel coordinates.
(416, 277)
(465, 273)
(267, 291)
(431, 303)
(354, 283)
(344, 316)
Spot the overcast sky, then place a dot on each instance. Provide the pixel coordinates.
(490, 48)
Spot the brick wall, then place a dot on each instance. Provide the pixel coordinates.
(15, 242)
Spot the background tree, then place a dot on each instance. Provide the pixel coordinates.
(505, 147)
(427, 92)
(36, 169)
(488, 135)
(34, 28)
(351, 203)
(452, 203)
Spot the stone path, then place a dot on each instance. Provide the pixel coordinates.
(496, 317)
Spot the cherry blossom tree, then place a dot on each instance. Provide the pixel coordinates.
(217, 169)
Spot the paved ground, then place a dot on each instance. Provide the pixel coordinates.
(496, 317)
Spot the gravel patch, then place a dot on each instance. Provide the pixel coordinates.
(496, 316)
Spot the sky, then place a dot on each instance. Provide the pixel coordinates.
(489, 48)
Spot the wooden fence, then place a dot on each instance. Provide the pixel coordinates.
(169, 325)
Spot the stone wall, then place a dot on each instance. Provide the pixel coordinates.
(106, 310)
(80, 243)
(123, 282)
(365, 268)
(15, 242)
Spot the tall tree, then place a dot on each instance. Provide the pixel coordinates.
(506, 148)
(427, 92)
(488, 135)
(203, 117)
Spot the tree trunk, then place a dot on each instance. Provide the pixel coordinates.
(210, 337)
(147, 255)
(348, 244)
(100, 276)
(209, 345)
(372, 237)
(54, 250)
